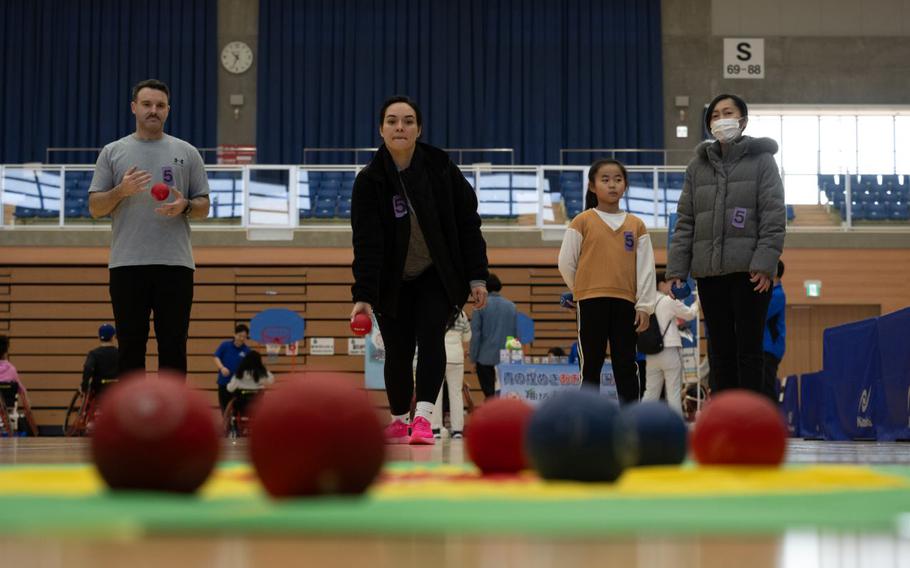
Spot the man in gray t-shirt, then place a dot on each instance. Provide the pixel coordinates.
(151, 263)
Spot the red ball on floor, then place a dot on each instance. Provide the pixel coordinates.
(739, 427)
(160, 191)
(316, 434)
(495, 437)
(154, 434)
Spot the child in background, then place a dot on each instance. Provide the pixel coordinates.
(251, 376)
(458, 334)
(101, 364)
(8, 373)
(666, 366)
(607, 261)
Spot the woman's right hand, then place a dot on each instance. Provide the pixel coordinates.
(674, 283)
(362, 308)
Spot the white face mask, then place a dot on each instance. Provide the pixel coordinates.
(726, 130)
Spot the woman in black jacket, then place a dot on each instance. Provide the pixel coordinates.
(418, 255)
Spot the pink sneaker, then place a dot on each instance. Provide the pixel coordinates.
(396, 432)
(421, 432)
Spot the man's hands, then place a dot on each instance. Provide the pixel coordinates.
(174, 208)
(133, 182)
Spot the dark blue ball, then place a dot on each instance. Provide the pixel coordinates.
(578, 436)
(659, 434)
(681, 292)
(566, 299)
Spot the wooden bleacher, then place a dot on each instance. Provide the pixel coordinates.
(52, 314)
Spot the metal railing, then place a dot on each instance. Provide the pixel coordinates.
(664, 153)
(287, 197)
(460, 152)
(206, 153)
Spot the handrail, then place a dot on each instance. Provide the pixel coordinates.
(613, 151)
(52, 149)
(460, 151)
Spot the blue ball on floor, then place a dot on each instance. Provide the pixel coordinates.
(659, 435)
(578, 436)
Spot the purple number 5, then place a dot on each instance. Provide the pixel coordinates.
(739, 218)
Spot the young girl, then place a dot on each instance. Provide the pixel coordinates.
(251, 374)
(607, 261)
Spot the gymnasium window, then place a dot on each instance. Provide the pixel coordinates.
(833, 140)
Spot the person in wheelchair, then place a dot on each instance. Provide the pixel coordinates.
(13, 396)
(101, 365)
(248, 382)
(8, 372)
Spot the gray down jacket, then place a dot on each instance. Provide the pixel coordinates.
(731, 215)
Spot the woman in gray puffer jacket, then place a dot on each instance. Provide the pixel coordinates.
(731, 222)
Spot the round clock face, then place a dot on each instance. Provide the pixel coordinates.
(236, 57)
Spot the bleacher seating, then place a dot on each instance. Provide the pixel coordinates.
(874, 197)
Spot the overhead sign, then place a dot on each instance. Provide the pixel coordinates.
(744, 58)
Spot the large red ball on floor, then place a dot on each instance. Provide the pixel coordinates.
(316, 434)
(361, 324)
(160, 191)
(495, 437)
(154, 434)
(739, 427)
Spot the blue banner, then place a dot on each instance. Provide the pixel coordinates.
(536, 383)
(852, 380)
(789, 404)
(892, 408)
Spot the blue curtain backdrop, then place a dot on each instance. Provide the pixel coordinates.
(535, 75)
(67, 68)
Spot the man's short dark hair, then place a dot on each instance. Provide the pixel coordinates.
(4, 345)
(493, 283)
(151, 84)
(241, 327)
(780, 269)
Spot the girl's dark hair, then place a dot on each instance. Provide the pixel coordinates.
(740, 104)
(590, 196)
(252, 364)
(4, 345)
(400, 99)
(660, 277)
(494, 284)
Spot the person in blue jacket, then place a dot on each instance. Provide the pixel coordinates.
(775, 335)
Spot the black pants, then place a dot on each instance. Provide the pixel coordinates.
(421, 322)
(138, 291)
(769, 376)
(608, 319)
(735, 317)
(224, 397)
(486, 376)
